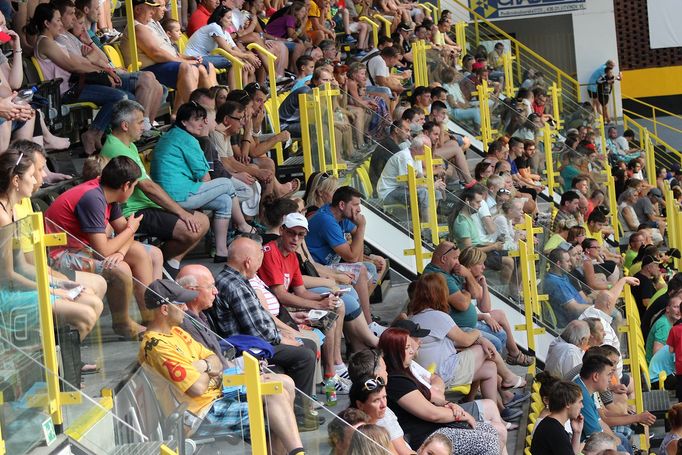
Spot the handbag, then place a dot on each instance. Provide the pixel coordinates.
(80, 80)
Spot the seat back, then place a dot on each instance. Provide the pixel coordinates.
(39, 70)
(182, 42)
(114, 56)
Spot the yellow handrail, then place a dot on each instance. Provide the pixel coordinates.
(428, 162)
(375, 29)
(303, 109)
(237, 66)
(132, 39)
(387, 24)
(653, 120)
(418, 251)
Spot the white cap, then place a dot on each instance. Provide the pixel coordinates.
(295, 219)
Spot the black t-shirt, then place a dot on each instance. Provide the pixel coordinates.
(416, 430)
(522, 162)
(550, 438)
(655, 310)
(645, 290)
(268, 237)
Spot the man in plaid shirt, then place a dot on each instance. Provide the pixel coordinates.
(237, 310)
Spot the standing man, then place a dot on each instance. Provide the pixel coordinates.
(179, 229)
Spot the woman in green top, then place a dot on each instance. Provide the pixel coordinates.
(180, 167)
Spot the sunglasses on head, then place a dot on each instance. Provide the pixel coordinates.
(371, 385)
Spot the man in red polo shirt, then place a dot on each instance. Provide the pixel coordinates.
(200, 16)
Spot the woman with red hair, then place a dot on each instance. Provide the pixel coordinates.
(410, 400)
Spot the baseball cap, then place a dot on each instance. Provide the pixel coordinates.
(145, 2)
(412, 327)
(164, 292)
(649, 260)
(478, 66)
(656, 193)
(295, 219)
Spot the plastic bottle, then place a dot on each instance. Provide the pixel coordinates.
(330, 392)
(24, 96)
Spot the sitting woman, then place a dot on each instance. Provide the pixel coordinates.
(477, 358)
(180, 167)
(410, 400)
(492, 321)
(82, 81)
(599, 274)
(627, 217)
(285, 29)
(217, 34)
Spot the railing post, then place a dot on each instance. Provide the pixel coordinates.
(487, 131)
(649, 157)
(461, 39)
(327, 94)
(40, 242)
(554, 93)
(421, 77)
(272, 100)
(428, 162)
(602, 137)
(549, 159)
(671, 212)
(304, 111)
(508, 74)
(319, 133)
(613, 203)
(386, 23)
(375, 29)
(255, 390)
(175, 14)
(417, 251)
(134, 63)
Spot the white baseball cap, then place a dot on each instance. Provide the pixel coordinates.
(295, 219)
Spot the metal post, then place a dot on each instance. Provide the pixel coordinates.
(375, 29)
(317, 121)
(428, 162)
(40, 242)
(649, 157)
(305, 135)
(134, 64)
(508, 74)
(175, 15)
(417, 251)
(386, 23)
(549, 159)
(272, 100)
(556, 113)
(327, 93)
(255, 390)
(461, 39)
(613, 205)
(671, 212)
(486, 128)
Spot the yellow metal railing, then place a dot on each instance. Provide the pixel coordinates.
(418, 250)
(655, 117)
(548, 142)
(386, 24)
(375, 28)
(483, 92)
(428, 162)
(657, 152)
(421, 73)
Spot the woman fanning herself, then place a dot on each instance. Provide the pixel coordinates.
(409, 399)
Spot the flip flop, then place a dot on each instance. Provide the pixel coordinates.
(517, 399)
(520, 359)
(89, 368)
(295, 186)
(511, 426)
(520, 382)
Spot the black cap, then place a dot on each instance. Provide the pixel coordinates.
(412, 327)
(649, 260)
(674, 253)
(164, 292)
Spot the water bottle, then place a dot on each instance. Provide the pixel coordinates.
(330, 392)
(24, 96)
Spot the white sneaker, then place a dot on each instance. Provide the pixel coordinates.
(376, 328)
(341, 385)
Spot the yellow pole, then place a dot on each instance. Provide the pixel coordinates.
(417, 251)
(508, 74)
(317, 120)
(40, 242)
(305, 135)
(671, 218)
(461, 39)
(272, 100)
(549, 159)
(649, 157)
(428, 162)
(386, 23)
(375, 29)
(556, 113)
(134, 63)
(174, 10)
(237, 66)
(519, 70)
(613, 204)
(255, 390)
(486, 128)
(327, 94)
(602, 137)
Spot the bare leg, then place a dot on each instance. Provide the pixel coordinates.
(188, 79)
(280, 416)
(184, 240)
(485, 373)
(358, 334)
(142, 269)
(82, 317)
(149, 92)
(50, 141)
(207, 77)
(493, 414)
(220, 227)
(92, 281)
(362, 288)
(119, 294)
(5, 134)
(26, 131)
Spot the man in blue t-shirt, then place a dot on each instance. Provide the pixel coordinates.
(595, 376)
(564, 298)
(328, 245)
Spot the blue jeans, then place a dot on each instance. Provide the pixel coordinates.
(488, 336)
(350, 299)
(219, 62)
(215, 195)
(471, 114)
(103, 96)
(499, 339)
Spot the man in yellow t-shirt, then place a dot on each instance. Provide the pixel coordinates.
(196, 372)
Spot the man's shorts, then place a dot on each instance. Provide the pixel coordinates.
(128, 80)
(72, 260)
(493, 260)
(166, 73)
(157, 223)
(226, 416)
(592, 95)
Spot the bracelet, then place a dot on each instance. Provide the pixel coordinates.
(18, 52)
(246, 140)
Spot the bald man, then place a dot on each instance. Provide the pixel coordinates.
(237, 310)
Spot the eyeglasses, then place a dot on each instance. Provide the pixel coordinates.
(239, 119)
(371, 385)
(453, 248)
(293, 233)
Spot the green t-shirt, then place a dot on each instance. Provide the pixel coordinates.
(465, 228)
(630, 256)
(659, 332)
(112, 148)
(467, 318)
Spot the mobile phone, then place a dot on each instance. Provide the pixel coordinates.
(75, 292)
(5, 38)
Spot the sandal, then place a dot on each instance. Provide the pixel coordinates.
(520, 382)
(89, 368)
(520, 359)
(511, 426)
(295, 186)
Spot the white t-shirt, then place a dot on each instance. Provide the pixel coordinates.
(202, 41)
(390, 424)
(455, 91)
(484, 211)
(436, 347)
(376, 67)
(395, 166)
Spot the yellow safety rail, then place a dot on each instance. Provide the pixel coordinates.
(386, 23)
(672, 218)
(529, 284)
(656, 114)
(548, 142)
(237, 66)
(483, 92)
(418, 250)
(430, 10)
(375, 29)
(421, 73)
(304, 110)
(666, 155)
(134, 63)
(428, 162)
(461, 39)
(255, 390)
(88, 420)
(507, 60)
(484, 30)
(273, 100)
